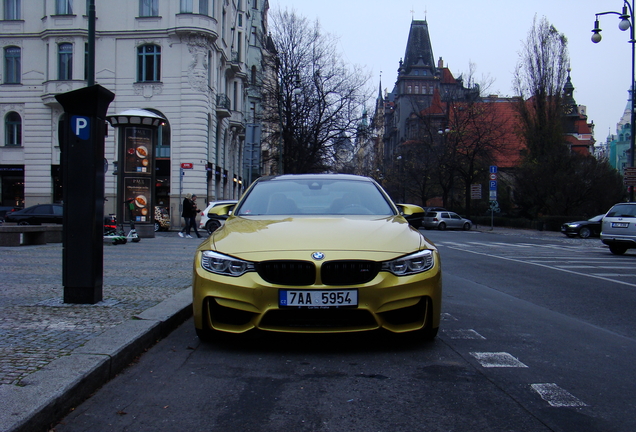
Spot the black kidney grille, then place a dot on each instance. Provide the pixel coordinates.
(297, 273)
(348, 272)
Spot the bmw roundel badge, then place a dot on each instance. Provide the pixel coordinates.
(317, 256)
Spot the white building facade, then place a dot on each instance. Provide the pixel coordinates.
(197, 63)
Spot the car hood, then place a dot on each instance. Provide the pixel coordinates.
(258, 234)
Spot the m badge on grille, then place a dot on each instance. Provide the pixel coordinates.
(318, 256)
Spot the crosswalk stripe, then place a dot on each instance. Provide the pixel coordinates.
(556, 396)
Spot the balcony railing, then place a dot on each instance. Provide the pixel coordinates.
(223, 106)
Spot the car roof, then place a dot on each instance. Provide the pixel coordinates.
(316, 177)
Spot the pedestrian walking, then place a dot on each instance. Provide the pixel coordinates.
(188, 213)
(193, 219)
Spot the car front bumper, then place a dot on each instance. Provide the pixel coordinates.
(239, 304)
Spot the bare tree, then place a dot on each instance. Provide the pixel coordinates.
(539, 80)
(316, 99)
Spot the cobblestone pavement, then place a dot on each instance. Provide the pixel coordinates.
(36, 327)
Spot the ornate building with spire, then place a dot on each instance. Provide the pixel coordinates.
(579, 134)
(618, 144)
(421, 84)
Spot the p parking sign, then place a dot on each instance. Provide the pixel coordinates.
(80, 126)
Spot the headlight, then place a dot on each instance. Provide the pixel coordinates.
(411, 264)
(573, 225)
(224, 265)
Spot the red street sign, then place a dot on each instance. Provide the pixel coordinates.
(187, 165)
(493, 176)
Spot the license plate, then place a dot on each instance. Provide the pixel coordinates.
(620, 224)
(318, 298)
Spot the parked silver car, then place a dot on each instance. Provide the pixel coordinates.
(618, 230)
(445, 220)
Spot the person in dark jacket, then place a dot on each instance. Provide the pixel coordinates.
(189, 214)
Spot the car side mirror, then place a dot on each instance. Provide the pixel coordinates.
(222, 210)
(412, 213)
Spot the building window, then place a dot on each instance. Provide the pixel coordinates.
(12, 65)
(204, 7)
(148, 8)
(11, 9)
(148, 63)
(255, 5)
(13, 129)
(64, 7)
(65, 62)
(186, 6)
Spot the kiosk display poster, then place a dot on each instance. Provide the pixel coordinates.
(137, 148)
(137, 190)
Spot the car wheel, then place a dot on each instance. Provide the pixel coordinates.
(212, 225)
(157, 226)
(441, 226)
(585, 232)
(617, 250)
(466, 226)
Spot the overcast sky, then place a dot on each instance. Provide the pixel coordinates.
(488, 33)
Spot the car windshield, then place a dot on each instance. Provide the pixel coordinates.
(622, 210)
(315, 197)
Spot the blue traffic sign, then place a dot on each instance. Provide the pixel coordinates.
(493, 169)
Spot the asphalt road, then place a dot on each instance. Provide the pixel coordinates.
(537, 335)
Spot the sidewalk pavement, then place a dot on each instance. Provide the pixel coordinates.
(54, 355)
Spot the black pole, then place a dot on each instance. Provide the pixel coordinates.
(90, 67)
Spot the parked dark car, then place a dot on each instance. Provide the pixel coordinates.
(6, 209)
(37, 215)
(583, 229)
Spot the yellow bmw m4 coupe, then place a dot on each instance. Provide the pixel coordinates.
(317, 253)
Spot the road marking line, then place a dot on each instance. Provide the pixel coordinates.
(463, 334)
(550, 267)
(556, 396)
(497, 359)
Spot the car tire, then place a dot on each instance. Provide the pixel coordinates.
(585, 232)
(617, 250)
(428, 333)
(466, 226)
(441, 226)
(212, 225)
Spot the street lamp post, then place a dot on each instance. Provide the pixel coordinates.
(626, 22)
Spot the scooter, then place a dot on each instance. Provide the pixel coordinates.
(115, 233)
(112, 232)
(132, 234)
